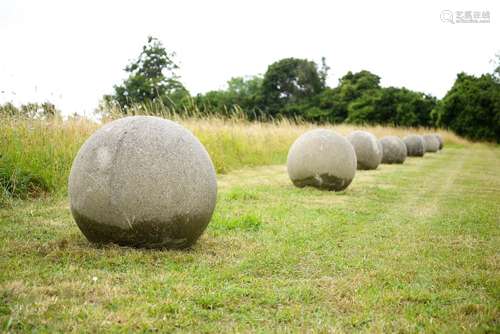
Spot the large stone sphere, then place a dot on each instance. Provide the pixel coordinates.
(365, 144)
(323, 159)
(381, 150)
(414, 145)
(394, 150)
(431, 143)
(143, 182)
(440, 140)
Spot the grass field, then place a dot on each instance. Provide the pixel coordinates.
(36, 155)
(406, 248)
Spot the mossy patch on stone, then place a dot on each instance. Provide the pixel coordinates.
(145, 234)
(324, 181)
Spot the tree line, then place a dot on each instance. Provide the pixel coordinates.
(296, 89)
(43, 110)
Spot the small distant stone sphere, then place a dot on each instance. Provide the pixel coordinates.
(440, 140)
(394, 150)
(322, 159)
(414, 145)
(366, 146)
(431, 143)
(143, 182)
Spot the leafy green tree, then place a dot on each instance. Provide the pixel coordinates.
(323, 71)
(496, 71)
(331, 104)
(9, 109)
(152, 77)
(49, 110)
(287, 82)
(245, 93)
(32, 110)
(392, 106)
(362, 110)
(472, 107)
(353, 85)
(242, 93)
(415, 108)
(245, 86)
(214, 102)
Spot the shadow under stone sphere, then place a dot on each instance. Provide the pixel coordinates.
(322, 159)
(414, 145)
(366, 146)
(144, 182)
(431, 143)
(394, 150)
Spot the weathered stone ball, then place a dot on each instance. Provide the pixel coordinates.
(143, 182)
(414, 145)
(322, 159)
(394, 150)
(366, 146)
(440, 140)
(431, 143)
(381, 149)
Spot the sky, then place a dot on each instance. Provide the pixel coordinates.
(72, 52)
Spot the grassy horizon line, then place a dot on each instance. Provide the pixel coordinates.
(37, 153)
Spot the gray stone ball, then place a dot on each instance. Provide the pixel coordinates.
(414, 145)
(440, 140)
(322, 159)
(431, 143)
(366, 146)
(381, 149)
(394, 150)
(143, 182)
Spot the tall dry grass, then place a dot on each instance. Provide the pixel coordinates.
(36, 155)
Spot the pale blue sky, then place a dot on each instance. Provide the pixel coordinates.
(72, 52)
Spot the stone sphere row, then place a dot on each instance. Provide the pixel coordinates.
(145, 181)
(323, 159)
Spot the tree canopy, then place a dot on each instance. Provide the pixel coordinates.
(297, 88)
(241, 92)
(472, 107)
(43, 110)
(151, 77)
(289, 83)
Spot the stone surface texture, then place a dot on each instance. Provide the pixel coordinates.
(394, 150)
(366, 146)
(431, 143)
(440, 140)
(414, 145)
(322, 159)
(144, 182)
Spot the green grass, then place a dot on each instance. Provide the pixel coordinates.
(406, 248)
(36, 154)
